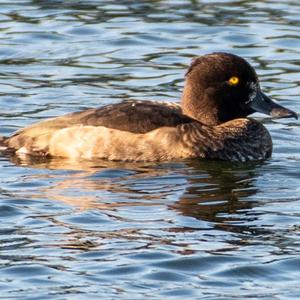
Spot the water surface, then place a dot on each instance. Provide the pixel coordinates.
(183, 229)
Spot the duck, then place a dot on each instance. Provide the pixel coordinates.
(211, 122)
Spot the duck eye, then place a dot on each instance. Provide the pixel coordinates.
(233, 80)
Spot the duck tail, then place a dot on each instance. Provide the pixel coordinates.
(3, 145)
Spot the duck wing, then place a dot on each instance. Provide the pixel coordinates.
(131, 116)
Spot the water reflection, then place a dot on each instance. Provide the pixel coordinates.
(221, 195)
(210, 191)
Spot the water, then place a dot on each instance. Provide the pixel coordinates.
(175, 230)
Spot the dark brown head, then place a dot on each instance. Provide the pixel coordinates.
(221, 87)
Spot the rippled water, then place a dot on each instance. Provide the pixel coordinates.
(186, 230)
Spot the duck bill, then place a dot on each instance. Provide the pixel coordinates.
(263, 104)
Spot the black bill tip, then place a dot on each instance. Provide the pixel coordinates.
(262, 103)
(282, 112)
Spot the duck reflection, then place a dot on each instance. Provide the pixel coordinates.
(222, 197)
(212, 191)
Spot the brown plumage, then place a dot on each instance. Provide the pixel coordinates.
(220, 91)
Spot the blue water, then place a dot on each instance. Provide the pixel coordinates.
(175, 230)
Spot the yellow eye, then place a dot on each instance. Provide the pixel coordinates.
(233, 80)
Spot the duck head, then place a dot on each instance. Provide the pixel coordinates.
(221, 87)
